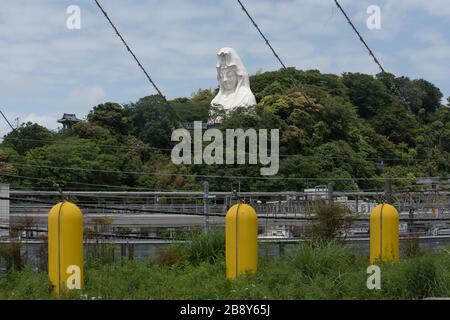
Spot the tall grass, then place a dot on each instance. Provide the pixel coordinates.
(201, 247)
(24, 284)
(206, 247)
(196, 270)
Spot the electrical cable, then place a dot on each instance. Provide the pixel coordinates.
(216, 176)
(273, 51)
(377, 61)
(136, 59)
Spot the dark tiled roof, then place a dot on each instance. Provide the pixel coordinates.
(68, 117)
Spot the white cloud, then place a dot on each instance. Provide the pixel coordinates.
(430, 36)
(58, 70)
(431, 60)
(438, 8)
(84, 97)
(43, 120)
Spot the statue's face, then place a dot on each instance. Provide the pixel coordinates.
(228, 78)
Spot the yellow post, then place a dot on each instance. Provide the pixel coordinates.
(65, 247)
(384, 243)
(241, 233)
(434, 212)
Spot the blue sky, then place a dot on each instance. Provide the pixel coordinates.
(47, 70)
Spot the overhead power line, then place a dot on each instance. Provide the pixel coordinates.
(100, 145)
(55, 184)
(135, 210)
(128, 188)
(214, 176)
(124, 147)
(50, 181)
(135, 57)
(272, 49)
(360, 36)
(219, 215)
(262, 34)
(96, 235)
(372, 54)
(129, 50)
(7, 121)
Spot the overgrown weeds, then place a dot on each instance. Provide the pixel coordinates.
(196, 270)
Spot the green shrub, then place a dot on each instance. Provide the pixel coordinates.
(206, 247)
(25, 285)
(331, 221)
(412, 248)
(415, 278)
(421, 278)
(175, 255)
(11, 253)
(316, 258)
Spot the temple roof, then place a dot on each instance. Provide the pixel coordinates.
(68, 117)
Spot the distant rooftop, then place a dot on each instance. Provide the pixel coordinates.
(69, 118)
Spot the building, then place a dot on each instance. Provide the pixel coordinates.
(195, 125)
(276, 232)
(317, 193)
(4, 210)
(68, 120)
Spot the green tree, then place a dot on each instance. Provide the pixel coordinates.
(397, 124)
(72, 160)
(90, 130)
(339, 118)
(7, 171)
(203, 96)
(431, 96)
(191, 110)
(335, 135)
(366, 93)
(332, 222)
(420, 94)
(111, 116)
(28, 136)
(153, 121)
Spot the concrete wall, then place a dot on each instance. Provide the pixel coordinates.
(4, 209)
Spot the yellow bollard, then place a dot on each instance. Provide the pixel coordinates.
(65, 247)
(384, 243)
(434, 212)
(241, 233)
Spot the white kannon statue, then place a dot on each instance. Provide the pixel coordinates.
(234, 83)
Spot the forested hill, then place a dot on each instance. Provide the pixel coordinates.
(350, 131)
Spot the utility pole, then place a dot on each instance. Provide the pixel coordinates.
(206, 204)
(330, 193)
(388, 190)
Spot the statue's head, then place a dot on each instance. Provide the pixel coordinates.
(231, 73)
(228, 78)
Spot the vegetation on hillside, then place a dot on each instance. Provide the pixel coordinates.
(338, 135)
